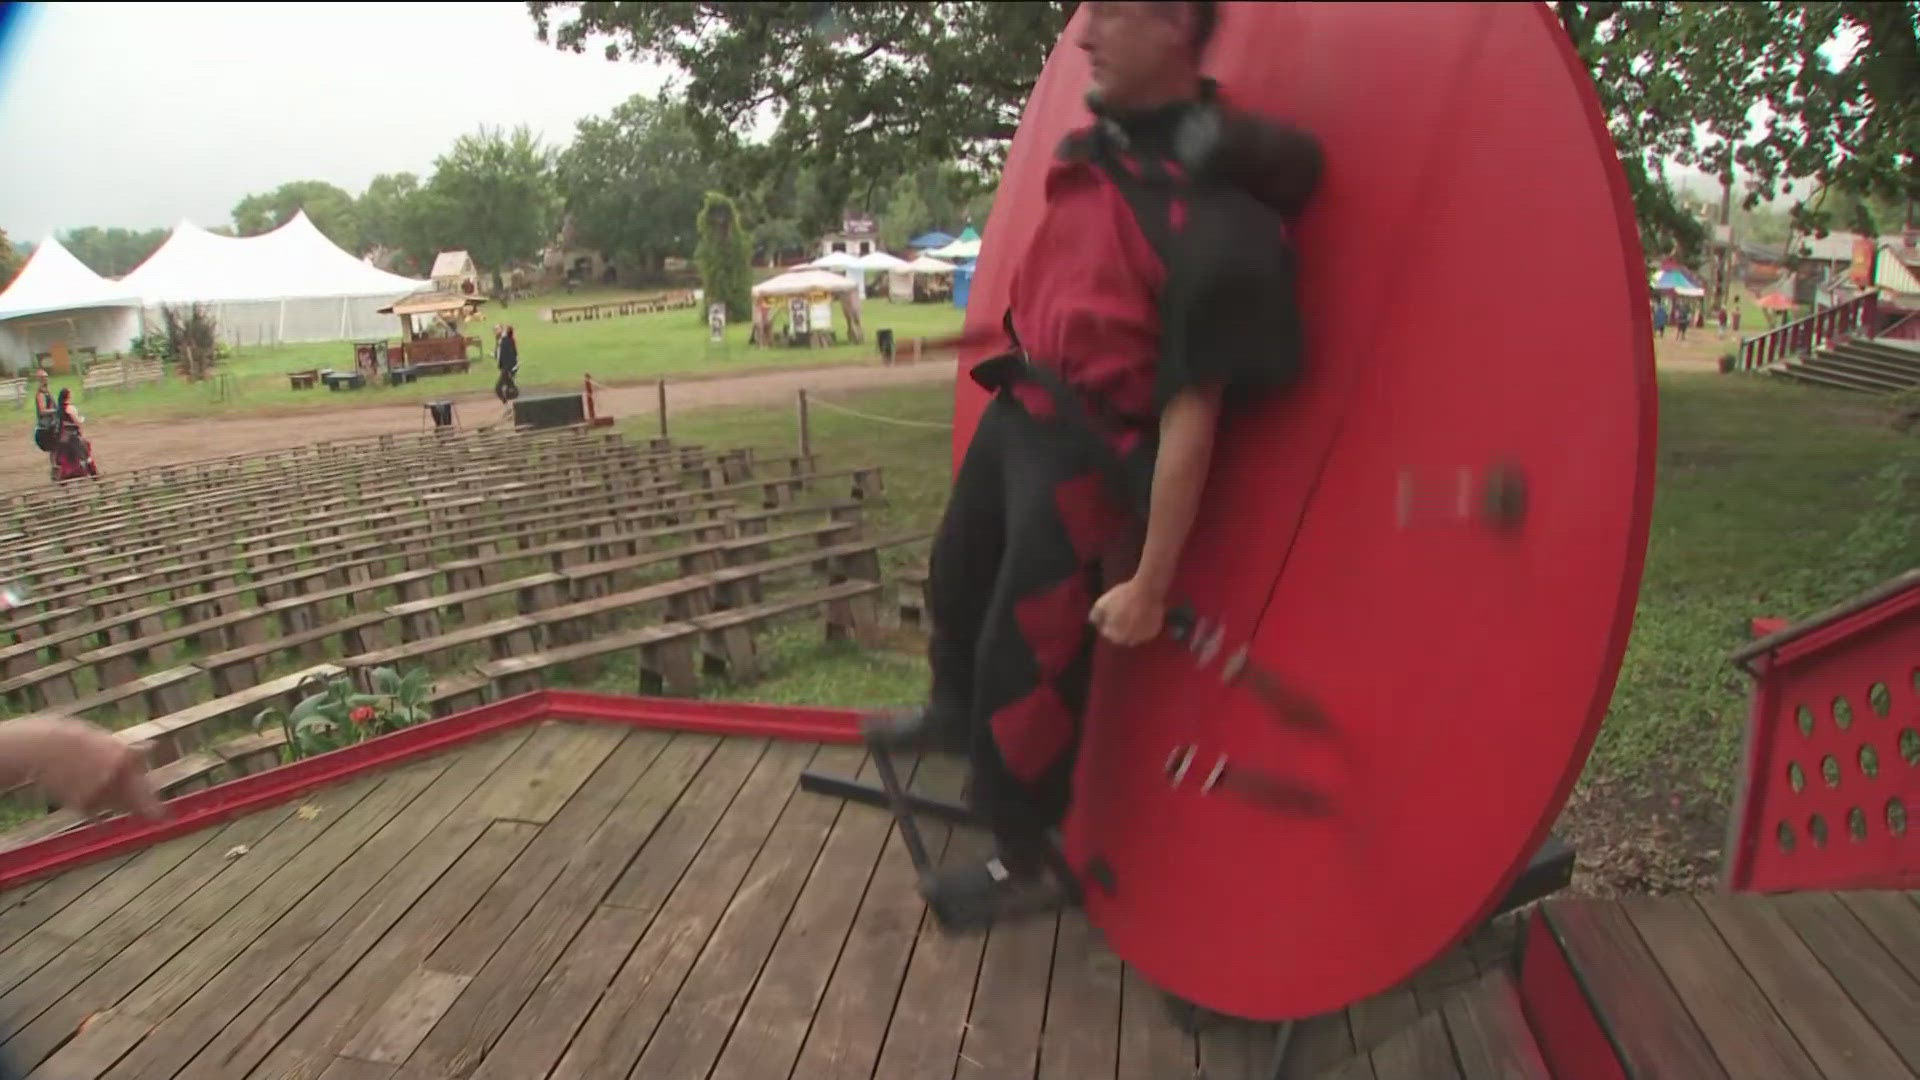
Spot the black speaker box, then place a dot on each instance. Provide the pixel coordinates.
(557, 410)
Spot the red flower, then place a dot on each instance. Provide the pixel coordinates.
(361, 714)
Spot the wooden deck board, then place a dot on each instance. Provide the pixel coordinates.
(583, 901)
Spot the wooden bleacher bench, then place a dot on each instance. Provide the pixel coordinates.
(177, 733)
(107, 374)
(442, 367)
(15, 390)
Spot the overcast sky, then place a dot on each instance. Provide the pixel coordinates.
(142, 114)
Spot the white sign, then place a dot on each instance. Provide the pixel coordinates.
(716, 323)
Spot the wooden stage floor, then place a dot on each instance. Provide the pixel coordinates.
(588, 901)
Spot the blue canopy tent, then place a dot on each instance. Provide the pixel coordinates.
(930, 240)
(1677, 282)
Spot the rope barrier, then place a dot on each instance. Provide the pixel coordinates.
(876, 418)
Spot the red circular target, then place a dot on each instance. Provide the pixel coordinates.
(1436, 538)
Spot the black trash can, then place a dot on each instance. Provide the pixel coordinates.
(442, 413)
(884, 339)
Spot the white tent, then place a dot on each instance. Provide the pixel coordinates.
(879, 260)
(291, 284)
(802, 282)
(836, 260)
(56, 300)
(959, 249)
(901, 282)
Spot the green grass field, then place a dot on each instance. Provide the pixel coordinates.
(1772, 500)
(634, 348)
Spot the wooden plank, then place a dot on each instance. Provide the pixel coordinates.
(1151, 1047)
(396, 1029)
(89, 909)
(1861, 964)
(457, 1045)
(617, 1031)
(35, 904)
(696, 1026)
(1082, 1033)
(533, 1043)
(773, 1025)
(850, 1025)
(1010, 1001)
(170, 913)
(1232, 1049)
(1893, 918)
(346, 1006)
(343, 1068)
(1648, 1023)
(1490, 1033)
(212, 1003)
(106, 1036)
(1842, 1041)
(1732, 1013)
(1319, 1043)
(472, 943)
(1358, 1067)
(1421, 1050)
(1379, 1017)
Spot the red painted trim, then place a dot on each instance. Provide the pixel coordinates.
(1767, 626)
(222, 802)
(1558, 1010)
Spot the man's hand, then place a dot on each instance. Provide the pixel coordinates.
(82, 767)
(1130, 613)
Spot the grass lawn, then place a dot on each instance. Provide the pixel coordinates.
(635, 348)
(1773, 500)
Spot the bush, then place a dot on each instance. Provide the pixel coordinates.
(335, 716)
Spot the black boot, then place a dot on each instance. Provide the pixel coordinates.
(1017, 882)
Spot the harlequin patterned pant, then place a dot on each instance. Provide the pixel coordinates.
(1016, 566)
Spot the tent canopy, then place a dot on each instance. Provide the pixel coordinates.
(968, 234)
(1676, 282)
(879, 260)
(53, 280)
(930, 240)
(293, 262)
(962, 248)
(927, 264)
(836, 260)
(804, 281)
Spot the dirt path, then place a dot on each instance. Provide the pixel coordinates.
(119, 445)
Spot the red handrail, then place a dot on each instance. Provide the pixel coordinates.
(1802, 336)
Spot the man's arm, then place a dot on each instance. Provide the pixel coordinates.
(1187, 426)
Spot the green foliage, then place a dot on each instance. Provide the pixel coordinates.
(331, 210)
(724, 257)
(192, 338)
(863, 91)
(498, 189)
(332, 715)
(633, 182)
(10, 260)
(1683, 82)
(398, 213)
(112, 252)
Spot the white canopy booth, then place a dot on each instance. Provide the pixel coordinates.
(291, 284)
(808, 297)
(924, 280)
(57, 307)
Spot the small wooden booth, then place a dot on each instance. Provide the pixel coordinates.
(807, 297)
(431, 339)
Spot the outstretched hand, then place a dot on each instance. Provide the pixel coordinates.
(82, 767)
(1129, 613)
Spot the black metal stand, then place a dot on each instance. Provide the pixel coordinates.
(1549, 871)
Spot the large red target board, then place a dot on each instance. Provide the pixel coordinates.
(1478, 327)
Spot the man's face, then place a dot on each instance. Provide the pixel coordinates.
(1135, 46)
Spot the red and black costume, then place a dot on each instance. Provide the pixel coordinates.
(1161, 264)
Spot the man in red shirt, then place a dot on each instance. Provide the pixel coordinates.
(1156, 290)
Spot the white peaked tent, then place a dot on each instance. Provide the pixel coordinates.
(291, 284)
(56, 300)
(901, 282)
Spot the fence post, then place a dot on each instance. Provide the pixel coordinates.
(661, 388)
(806, 428)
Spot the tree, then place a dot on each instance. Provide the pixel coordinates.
(397, 213)
(330, 209)
(1759, 93)
(112, 252)
(906, 215)
(494, 194)
(633, 181)
(10, 261)
(859, 88)
(724, 257)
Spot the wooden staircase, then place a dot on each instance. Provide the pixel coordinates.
(1860, 365)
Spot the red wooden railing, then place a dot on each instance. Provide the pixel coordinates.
(1801, 336)
(1831, 796)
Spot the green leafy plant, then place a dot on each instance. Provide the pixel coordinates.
(334, 715)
